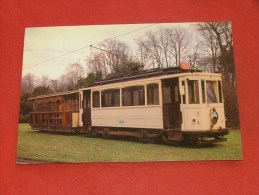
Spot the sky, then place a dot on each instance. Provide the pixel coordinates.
(49, 50)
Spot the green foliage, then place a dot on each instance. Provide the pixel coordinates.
(90, 79)
(41, 90)
(127, 67)
(74, 149)
(231, 105)
(25, 108)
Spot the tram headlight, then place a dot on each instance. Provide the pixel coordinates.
(213, 116)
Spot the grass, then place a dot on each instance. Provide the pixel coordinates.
(34, 145)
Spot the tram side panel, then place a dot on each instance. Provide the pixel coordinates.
(128, 117)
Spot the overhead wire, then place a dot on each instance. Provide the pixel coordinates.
(73, 51)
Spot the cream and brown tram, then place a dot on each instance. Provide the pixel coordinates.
(172, 104)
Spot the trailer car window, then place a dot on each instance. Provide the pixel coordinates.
(152, 94)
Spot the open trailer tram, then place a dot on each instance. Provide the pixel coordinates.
(55, 112)
(173, 104)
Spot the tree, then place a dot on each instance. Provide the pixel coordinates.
(73, 73)
(209, 44)
(112, 56)
(167, 47)
(62, 83)
(218, 39)
(54, 85)
(25, 108)
(179, 40)
(97, 64)
(41, 90)
(89, 79)
(28, 83)
(111, 59)
(150, 50)
(44, 81)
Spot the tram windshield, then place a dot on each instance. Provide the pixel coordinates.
(211, 92)
(193, 90)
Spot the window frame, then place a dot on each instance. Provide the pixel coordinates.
(142, 100)
(155, 102)
(93, 99)
(111, 92)
(196, 96)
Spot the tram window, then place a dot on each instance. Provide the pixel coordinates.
(211, 92)
(193, 91)
(203, 91)
(220, 91)
(167, 94)
(111, 98)
(133, 96)
(96, 99)
(176, 93)
(86, 101)
(75, 103)
(42, 108)
(69, 105)
(51, 106)
(58, 105)
(152, 94)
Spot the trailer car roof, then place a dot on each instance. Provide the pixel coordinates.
(54, 94)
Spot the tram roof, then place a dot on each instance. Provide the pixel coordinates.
(54, 95)
(143, 74)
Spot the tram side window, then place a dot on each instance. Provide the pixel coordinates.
(193, 92)
(211, 92)
(69, 104)
(133, 96)
(111, 98)
(75, 103)
(152, 94)
(42, 107)
(96, 99)
(51, 106)
(59, 106)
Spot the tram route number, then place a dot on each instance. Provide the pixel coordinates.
(121, 122)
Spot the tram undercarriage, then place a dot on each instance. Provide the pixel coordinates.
(166, 136)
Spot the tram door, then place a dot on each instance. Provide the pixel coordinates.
(172, 117)
(86, 108)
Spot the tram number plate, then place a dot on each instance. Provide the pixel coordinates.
(121, 122)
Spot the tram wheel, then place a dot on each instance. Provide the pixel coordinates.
(77, 131)
(105, 133)
(143, 136)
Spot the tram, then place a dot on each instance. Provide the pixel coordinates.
(173, 104)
